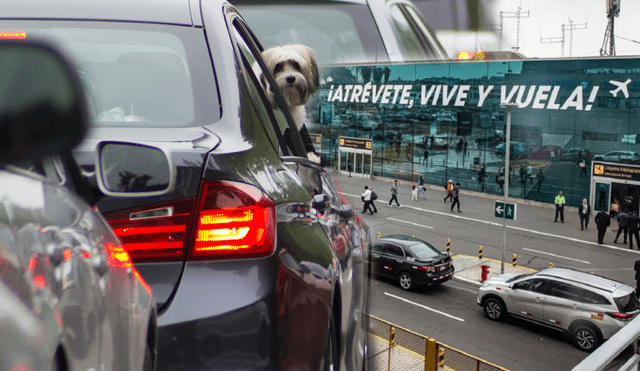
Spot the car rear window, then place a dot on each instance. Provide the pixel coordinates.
(627, 303)
(338, 32)
(425, 251)
(136, 74)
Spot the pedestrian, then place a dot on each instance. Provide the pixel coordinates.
(636, 267)
(615, 207)
(449, 188)
(583, 168)
(455, 193)
(394, 193)
(584, 211)
(623, 226)
(366, 198)
(481, 175)
(422, 191)
(523, 175)
(499, 181)
(627, 201)
(425, 159)
(414, 192)
(602, 222)
(560, 202)
(465, 146)
(374, 196)
(529, 172)
(540, 179)
(633, 224)
(433, 139)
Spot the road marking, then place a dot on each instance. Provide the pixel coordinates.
(557, 256)
(512, 227)
(404, 221)
(425, 307)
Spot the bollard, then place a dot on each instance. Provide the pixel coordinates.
(448, 247)
(550, 265)
(440, 356)
(379, 234)
(392, 335)
(480, 252)
(514, 259)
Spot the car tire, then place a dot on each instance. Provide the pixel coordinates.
(494, 309)
(585, 338)
(330, 358)
(406, 281)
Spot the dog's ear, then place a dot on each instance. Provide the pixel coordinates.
(314, 70)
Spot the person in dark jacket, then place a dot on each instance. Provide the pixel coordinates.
(455, 193)
(584, 211)
(623, 219)
(636, 267)
(633, 224)
(602, 222)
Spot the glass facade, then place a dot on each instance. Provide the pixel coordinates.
(445, 121)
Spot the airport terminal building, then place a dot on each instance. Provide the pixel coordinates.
(575, 127)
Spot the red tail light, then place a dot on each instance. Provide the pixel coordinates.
(622, 316)
(232, 220)
(235, 220)
(428, 269)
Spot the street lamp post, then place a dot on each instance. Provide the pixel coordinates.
(507, 157)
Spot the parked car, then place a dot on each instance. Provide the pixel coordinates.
(70, 298)
(411, 261)
(518, 150)
(627, 157)
(545, 152)
(346, 31)
(590, 308)
(571, 154)
(245, 273)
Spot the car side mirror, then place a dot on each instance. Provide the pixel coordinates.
(134, 170)
(347, 212)
(42, 104)
(321, 202)
(308, 172)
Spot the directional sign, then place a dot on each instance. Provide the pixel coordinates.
(505, 210)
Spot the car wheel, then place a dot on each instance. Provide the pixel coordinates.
(494, 309)
(148, 359)
(585, 338)
(330, 359)
(405, 280)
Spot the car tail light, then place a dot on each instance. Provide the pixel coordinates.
(428, 269)
(227, 220)
(622, 316)
(234, 220)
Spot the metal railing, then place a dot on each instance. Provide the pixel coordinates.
(392, 347)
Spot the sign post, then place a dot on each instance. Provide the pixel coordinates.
(506, 177)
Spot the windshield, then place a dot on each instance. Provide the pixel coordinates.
(518, 277)
(136, 74)
(339, 33)
(423, 250)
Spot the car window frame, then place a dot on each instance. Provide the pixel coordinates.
(388, 253)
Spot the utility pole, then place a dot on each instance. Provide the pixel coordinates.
(613, 11)
(561, 39)
(517, 15)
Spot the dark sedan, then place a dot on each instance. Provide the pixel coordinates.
(253, 263)
(409, 260)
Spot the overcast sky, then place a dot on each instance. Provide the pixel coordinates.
(546, 18)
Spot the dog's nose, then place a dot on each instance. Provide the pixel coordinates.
(291, 79)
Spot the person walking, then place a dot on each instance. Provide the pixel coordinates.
(455, 193)
(481, 175)
(425, 159)
(422, 193)
(374, 196)
(633, 224)
(560, 202)
(449, 188)
(602, 222)
(394, 193)
(529, 172)
(584, 211)
(623, 226)
(366, 198)
(540, 179)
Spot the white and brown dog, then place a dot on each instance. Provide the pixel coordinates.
(297, 74)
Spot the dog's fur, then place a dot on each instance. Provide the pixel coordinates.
(297, 74)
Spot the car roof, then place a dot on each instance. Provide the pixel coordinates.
(154, 11)
(587, 279)
(400, 239)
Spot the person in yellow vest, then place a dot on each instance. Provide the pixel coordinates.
(449, 188)
(560, 202)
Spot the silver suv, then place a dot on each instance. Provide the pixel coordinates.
(590, 308)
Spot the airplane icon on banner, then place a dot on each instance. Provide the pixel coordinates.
(622, 86)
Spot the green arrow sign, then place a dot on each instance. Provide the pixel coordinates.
(505, 210)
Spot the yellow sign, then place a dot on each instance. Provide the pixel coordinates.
(341, 142)
(597, 316)
(598, 169)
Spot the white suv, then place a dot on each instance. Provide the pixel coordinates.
(590, 308)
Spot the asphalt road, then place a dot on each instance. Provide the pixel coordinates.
(453, 316)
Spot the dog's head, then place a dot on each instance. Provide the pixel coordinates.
(296, 71)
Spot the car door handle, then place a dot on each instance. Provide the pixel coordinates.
(399, 260)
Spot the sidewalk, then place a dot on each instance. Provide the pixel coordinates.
(530, 215)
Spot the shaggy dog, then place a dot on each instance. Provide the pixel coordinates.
(297, 74)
